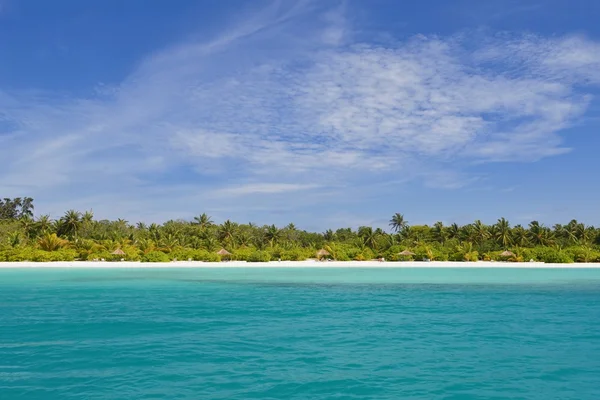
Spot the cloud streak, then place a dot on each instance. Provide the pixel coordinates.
(228, 117)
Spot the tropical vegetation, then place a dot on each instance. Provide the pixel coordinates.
(79, 236)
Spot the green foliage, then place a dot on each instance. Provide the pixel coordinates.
(548, 255)
(204, 255)
(51, 242)
(17, 208)
(583, 254)
(36, 255)
(77, 235)
(242, 254)
(298, 254)
(185, 254)
(464, 256)
(155, 256)
(259, 256)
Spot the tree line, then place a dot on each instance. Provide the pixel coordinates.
(79, 236)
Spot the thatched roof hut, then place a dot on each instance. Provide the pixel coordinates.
(507, 253)
(406, 253)
(223, 252)
(118, 252)
(323, 253)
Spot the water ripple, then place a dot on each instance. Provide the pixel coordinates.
(175, 338)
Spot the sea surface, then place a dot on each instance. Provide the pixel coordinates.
(314, 333)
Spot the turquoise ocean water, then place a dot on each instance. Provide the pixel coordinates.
(320, 333)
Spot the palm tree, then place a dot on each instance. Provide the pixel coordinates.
(454, 231)
(480, 232)
(329, 235)
(227, 231)
(26, 207)
(244, 238)
(44, 223)
(539, 235)
(203, 221)
(169, 243)
(503, 233)
(520, 236)
(14, 239)
(368, 236)
(146, 245)
(87, 217)
(271, 235)
(28, 225)
(398, 223)
(439, 232)
(51, 242)
(70, 224)
(211, 243)
(583, 234)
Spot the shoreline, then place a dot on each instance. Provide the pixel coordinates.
(291, 264)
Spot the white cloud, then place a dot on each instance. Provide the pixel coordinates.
(263, 110)
(262, 188)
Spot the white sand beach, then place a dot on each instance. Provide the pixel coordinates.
(293, 264)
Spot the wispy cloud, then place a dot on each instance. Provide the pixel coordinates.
(266, 108)
(261, 188)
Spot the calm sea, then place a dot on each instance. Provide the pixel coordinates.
(300, 334)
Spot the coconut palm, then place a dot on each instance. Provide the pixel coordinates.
(51, 242)
(211, 243)
(368, 236)
(271, 235)
(539, 235)
(146, 245)
(244, 238)
(439, 232)
(329, 235)
(502, 233)
(87, 217)
(398, 223)
(28, 225)
(169, 243)
(203, 221)
(454, 231)
(520, 236)
(70, 224)
(227, 231)
(480, 232)
(15, 239)
(44, 224)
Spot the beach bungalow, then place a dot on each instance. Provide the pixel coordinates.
(322, 254)
(118, 252)
(225, 255)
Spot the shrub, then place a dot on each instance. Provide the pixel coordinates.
(155, 256)
(340, 256)
(558, 257)
(16, 255)
(97, 255)
(259, 256)
(242, 254)
(182, 254)
(294, 255)
(583, 254)
(204, 255)
(548, 255)
(367, 254)
(60, 255)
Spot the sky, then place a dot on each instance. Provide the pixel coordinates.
(325, 113)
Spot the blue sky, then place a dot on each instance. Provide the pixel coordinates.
(322, 113)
